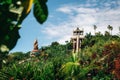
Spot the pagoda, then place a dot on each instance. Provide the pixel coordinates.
(77, 39)
(35, 51)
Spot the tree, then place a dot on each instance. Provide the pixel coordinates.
(110, 28)
(95, 27)
(12, 14)
(119, 29)
(107, 33)
(54, 43)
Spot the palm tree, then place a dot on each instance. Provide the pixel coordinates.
(107, 33)
(95, 27)
(119, 29)
(110, 28)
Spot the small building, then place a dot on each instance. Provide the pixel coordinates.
(77, 39)
(35, 52)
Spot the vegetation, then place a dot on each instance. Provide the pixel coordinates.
(99, 59)
(12, 14)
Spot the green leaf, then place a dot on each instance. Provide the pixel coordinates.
(5, 1)
(70, 69)
(40, 10)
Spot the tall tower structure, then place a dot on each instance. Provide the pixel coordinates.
(77, 39)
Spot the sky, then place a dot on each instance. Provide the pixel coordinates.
(64, 17)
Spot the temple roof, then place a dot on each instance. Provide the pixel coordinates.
(77, 30)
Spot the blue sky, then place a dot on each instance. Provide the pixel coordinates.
(64, 17)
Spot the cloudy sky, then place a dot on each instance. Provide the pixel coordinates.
(64, 17)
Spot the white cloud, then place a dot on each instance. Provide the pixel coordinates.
(64, 38)
(84, 10)
(83, 17)
(66, 9)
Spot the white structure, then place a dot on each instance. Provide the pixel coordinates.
(77, 39)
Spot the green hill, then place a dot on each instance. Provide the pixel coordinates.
(99, 59)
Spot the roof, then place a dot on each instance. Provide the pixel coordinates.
(77, 30)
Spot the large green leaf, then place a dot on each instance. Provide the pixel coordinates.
(40, 10)
(5, 2)
(8, 33)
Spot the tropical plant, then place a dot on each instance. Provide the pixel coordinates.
(107, 33)
(98, 60)
(70, 70)
(29, 71)
(12, 14)
(95, 27)
(110, 28)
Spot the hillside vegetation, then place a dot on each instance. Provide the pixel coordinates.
(99, 59)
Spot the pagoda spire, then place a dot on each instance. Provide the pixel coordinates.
(35, 51)
(35, 45)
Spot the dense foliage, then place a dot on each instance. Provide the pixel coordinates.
(99, 59)
(12, 14)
